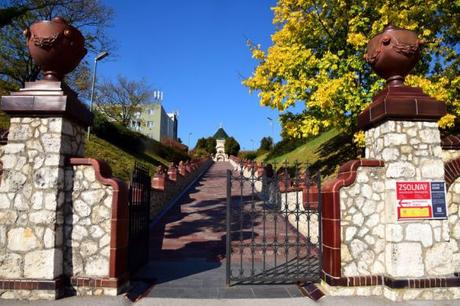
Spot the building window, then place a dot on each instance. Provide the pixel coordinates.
(150, 124)
(137, 115)
(150, 111)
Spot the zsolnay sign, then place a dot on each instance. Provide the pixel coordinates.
(421, 200)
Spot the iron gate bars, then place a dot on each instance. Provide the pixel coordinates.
(273, 221)
(139, 205)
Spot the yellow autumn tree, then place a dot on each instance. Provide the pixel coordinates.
(316, 58)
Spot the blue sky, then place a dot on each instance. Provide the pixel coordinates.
(196, 53)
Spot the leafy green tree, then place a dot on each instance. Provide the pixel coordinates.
(9, 14)
(232, 147)
(207, 144)
(251, 155)
(200, 143)
(266, 144)
(316, 58)
(211, 145)
(91, 17)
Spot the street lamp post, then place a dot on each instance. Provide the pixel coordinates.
(96, 59)
(252, 140)
(189, 134)
(271, 124)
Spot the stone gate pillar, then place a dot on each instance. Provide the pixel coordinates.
(47, 126)
(373, 244)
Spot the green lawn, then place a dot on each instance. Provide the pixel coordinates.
(119, 160)
(307, 153)
(326, 152)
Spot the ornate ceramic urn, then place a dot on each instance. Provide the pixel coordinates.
(55, 46)
(393, 54)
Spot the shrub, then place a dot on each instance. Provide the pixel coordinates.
(132, 141)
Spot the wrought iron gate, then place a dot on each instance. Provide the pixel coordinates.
(273, 226)
(139, 205)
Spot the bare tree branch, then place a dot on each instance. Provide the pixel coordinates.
(120, 100)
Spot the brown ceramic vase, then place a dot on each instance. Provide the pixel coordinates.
(55, 46)
(393, 54)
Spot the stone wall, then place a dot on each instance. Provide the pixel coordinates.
(32, 198)
(95, 229)
(166, 188)
(448, 155)
(411, 151)
(362, 229)
(403, 260)
(450, 147)
(88, 213)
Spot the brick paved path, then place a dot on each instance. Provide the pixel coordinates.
(187, 255)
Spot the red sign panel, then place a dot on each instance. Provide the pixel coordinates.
(421, 200)
(413, 190)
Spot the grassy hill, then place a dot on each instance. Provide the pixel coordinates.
(326, 152)
(121, 161)
(121, 147)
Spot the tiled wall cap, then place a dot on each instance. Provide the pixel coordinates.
(450, 142)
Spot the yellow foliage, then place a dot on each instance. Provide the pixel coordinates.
(437, 89)
(357, 39)
(359, 139)
(316, 58)
(447, 121)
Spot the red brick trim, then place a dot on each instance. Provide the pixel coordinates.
(119, 228)
(450, 142)
(330, 219)
(95, 282)
(32, 284)
(451, 171)
(394, 283)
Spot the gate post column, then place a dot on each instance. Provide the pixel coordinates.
(379, 248)
(47, 127)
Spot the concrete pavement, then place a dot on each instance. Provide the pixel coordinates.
(299, 301)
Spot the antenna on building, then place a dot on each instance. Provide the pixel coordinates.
(158, 96)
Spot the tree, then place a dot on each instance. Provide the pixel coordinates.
(119, 100)
(9, 14)
(266, 144)
(200, 143)
(316, 58)
(211, 145)
(232, 147)
(207, 144)
(91, 17)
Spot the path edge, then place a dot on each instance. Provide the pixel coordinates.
(176, 199)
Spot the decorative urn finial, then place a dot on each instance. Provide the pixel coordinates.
(55, 46)
(393, 54)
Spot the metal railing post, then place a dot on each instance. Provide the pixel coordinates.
(229, 234)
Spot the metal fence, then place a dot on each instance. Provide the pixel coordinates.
(273, 225)
(139, 205)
